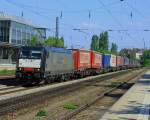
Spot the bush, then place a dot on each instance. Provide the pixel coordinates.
(42, 113)
(147, 63)
(71, 106)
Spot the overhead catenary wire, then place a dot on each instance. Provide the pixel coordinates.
(56, 10)
(135, 9)
(45, 16)
(39, 14)
(114, 18)
(42, 10)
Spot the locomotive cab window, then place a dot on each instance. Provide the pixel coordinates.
(36, 54)
(30, 54)
(25, 54)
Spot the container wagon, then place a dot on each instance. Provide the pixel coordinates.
(126, 62)
(96, 62)
(109, 62)
(82, 62)
(113, 63)
(106, 62)
(131, 63)
(120, 62)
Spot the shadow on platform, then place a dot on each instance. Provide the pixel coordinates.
(126, 86)
(132, 108)
(145, 80)
(146, 76)
(115, 95)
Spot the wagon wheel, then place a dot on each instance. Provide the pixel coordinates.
(47, 80)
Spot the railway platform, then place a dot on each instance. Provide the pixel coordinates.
(134, 104)
(7, 66)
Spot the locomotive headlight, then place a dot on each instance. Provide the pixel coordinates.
(37, 69)
(20, 69)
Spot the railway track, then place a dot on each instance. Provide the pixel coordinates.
(16, 103)
(7, 77)
(93, 102)
(12, 86)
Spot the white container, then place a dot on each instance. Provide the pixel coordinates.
(113, 61)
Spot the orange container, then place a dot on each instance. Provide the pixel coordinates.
(82, 59)
(96, 60)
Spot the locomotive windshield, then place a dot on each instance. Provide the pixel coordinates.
(25, 54)
(35, 54)
(30, 54)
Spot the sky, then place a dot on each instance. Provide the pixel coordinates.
(127, 19)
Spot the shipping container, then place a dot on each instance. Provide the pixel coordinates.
(119, 61)
(122, 61)
(109, 60)
(113, 61)
(58, 60)
(126, 61)
(131, 63)
(106, 60)
(82, 59)
(96, 60)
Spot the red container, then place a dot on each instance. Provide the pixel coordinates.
(82, 59)
(120, 61)
(96, 60)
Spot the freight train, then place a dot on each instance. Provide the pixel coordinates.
(50, 64)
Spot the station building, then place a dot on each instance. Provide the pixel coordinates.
(14, 33)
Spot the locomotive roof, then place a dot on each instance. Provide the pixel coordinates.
(53, 49)
(60, 50)
(31, 48)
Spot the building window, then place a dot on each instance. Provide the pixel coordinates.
(14, 35)
(19, 36)
(4, 31)
(5, 53)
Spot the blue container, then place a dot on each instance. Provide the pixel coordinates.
(126, 61)
(106, 60)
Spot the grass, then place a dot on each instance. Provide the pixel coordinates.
(71, 106)
(147, 63)
(7, 72)
(42, 113)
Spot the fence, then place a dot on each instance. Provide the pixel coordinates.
(7, 61)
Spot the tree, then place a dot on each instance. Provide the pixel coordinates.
(95, 43)
(61, 42)
(106, 41)
(54, 42)
(34, 41)
(103, 41)
(51, 42)
(130, 53)
(146, 58)
(114, 48)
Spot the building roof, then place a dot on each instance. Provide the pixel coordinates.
(6, 44)
(4, 16)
